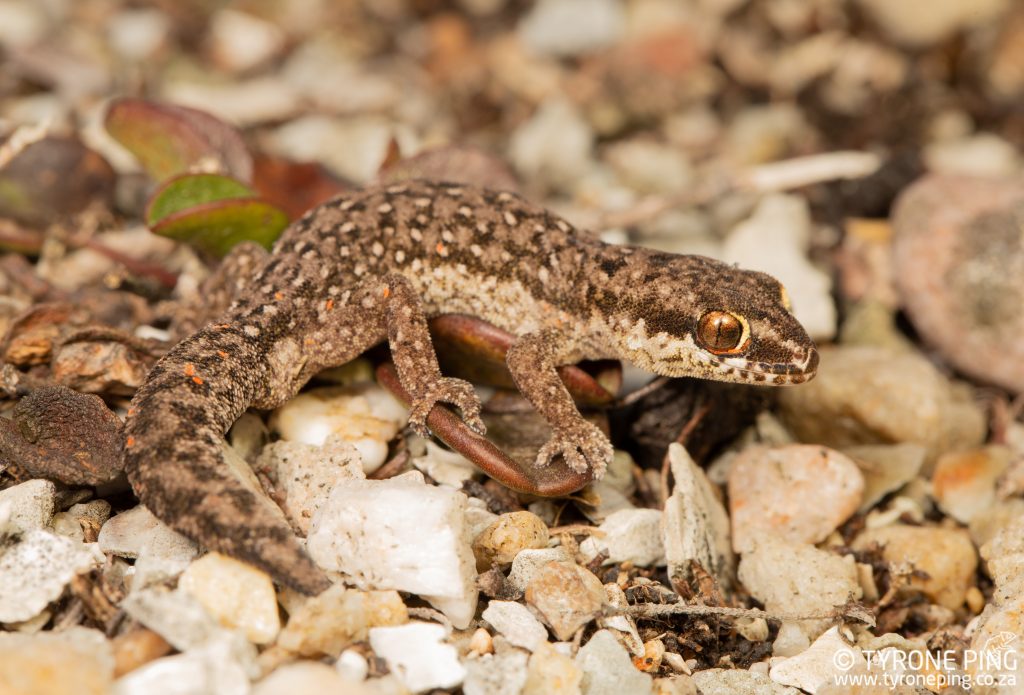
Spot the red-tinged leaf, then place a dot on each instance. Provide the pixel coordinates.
(169, 139)
(189, 190)
(53, 178)
(218, 226)
(295, 187)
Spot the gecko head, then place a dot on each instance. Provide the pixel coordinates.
(694, 316)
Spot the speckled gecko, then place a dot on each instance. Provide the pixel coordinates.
(375, 265)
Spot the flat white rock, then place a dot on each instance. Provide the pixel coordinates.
(815, 667)
(400, 534)
(629, 535)
(608, 669)
(571, 27)
(77, 660)
(696, 526)
(27, 506)
(212, 669)
(528, 563)
(35, 570)
(236, 594)
(308, 677)
(417, 654)
(516, 623)
(718, 681)
(502, 673)
(160, 552)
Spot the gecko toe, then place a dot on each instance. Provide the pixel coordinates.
(455, 392)
(583, 446)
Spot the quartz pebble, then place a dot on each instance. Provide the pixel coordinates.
(363, 414)
(305, 474)
(160, 552)
(608, 669)
(717, 681)
(549, 672)
(874, 395)
(964, 482)
(775, 240)
(417, 654)
(817, 665)
(528, 563)
(516, 623)
(308, 677)
(947, 556)
(211, 668)
(241, 41)
(35, 569)
(27, 506)
(331, 621)
(958, 256)
(444, 466)
(796, 578)
(566, 596)
(236, 594)
(629, 535)
(920, 23)
(422, 526)
(554, 146)
(571, 27)
(768, 490)
(510, 533)
(696, 526)
(77, 660)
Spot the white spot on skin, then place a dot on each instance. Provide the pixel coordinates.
(267, 289)
(251, 331)
(359, 269)
(347, 227)
(465, 211)
(422, 219)
(416, 234)
(397, 189)
(333, 290)
(506, 256)
(510, 219)
(377, 248)
(504, 196)
(385, 208)
(347, 204)
(542, 275)
(417, 265)
(447, 236)
(563, 225)
(399, 256)
(269, 309)
(476, 250)
(483, 228)
(344, 252)
(299, 247)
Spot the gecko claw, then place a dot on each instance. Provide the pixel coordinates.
(452, 391)
(583, 445)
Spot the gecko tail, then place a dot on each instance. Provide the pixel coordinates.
(224, 515)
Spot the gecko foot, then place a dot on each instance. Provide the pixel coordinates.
(584, 446)
(447, 390)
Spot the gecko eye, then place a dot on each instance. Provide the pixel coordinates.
(722, 333)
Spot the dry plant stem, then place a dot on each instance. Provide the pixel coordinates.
(684, 435)
(653, 611)
(634, 396)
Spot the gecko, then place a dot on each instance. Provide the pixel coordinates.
(374, 266)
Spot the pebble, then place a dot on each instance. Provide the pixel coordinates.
(1004, 559)
(717, 681)
(365, 415)
(987, 525)
(503, 673)
(418, 655)
(77, 660)
(181, 620)
(351, 148)
(211, 668)
(958, 255)
(509, 534)
(528, 563)
(886, 468)
(628, 535)
(817, 665)
(608, 669)
(549, 672)
(160, 553)
(422, 526)
(236, 594)
(308, 677)
(769, 489)
(981, 154)
(27, 506)
(696, 526)
(516, 623)
(875, 395)
(648, 166)
(566, 596)
(35, 569)
(554, 147)
(304, 474)
(964, 482)
(947, 556)
(796, 578)
(138, 34)
(921, 23)
(243, 103)
(239, 41)
(571, 27)
(444, 466)
(775, 239)
(328, 623)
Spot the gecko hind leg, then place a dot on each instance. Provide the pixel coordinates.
(416, 361)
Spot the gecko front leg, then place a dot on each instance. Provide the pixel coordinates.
(532, 360)
(416, 361)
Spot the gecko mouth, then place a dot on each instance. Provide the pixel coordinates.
(768, 372)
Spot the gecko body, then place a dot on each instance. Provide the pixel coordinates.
(375, 265)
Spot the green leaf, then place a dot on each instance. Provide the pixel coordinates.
(190, 190)
(218, 226)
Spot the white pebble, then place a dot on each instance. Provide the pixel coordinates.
(236, 594)
(516, 623)
(35, 570)
(417, 654)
